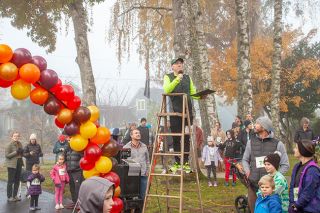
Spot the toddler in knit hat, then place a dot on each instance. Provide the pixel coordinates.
(272, 163)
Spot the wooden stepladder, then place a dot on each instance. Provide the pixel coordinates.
(172, 193)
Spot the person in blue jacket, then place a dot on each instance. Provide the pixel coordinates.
(304, 193)
(267, 202)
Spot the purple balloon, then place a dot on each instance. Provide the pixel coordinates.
(71, 128)
(40, 62)
(21, 56)
(48, 78)
(51, 106)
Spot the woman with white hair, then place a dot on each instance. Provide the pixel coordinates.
(304, 132)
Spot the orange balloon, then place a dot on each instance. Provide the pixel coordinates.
(39, 95)
(29, 73)
(64, 116)
(8, 71)
(117, 192)
(6, 53)
(102, 136)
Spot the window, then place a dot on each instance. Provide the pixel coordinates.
(141, 104)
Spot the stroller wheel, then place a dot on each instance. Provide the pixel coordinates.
(241, 204)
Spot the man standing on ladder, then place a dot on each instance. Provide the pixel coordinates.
(178, 82)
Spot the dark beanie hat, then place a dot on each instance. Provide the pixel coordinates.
(306, 148)
(247, 123)
(273, 159)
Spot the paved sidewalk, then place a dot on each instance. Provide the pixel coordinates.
(46, 202)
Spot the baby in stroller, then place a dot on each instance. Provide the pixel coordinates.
(24, 179)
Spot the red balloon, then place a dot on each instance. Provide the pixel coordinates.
(51, 106)
(56, 87)
(81, 114)
(58, 123)
(65, 93)
(86, 164)
(113, 177)
(21, 56)
(5, 84)
(48, 78)
(117, 206)
(92, 152)
(97, 124)
(74, 103)
(110, 149)
(71, 128)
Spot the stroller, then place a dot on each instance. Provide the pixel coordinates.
(241, 202)
(24, 179)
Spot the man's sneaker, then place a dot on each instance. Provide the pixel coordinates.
(57, 206)
(215, 184)
(11, 199)
(38, 208)
(61, 206)
(233, 183)
(209, 183)
(174, 168)
(226, 184)
(17, 198)
(186, 168)
(32, 209)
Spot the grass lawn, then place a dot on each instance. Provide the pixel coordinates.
(215, 199)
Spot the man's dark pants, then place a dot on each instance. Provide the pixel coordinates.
(176, 127)
(252, 197)
(76, 179)
(14, 179)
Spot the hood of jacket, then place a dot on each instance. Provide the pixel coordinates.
(92, 194)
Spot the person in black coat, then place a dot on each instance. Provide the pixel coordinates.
(144, 131)
(32, 152)
(245, 135)
(304, 132)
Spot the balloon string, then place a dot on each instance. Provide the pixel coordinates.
(51, 93)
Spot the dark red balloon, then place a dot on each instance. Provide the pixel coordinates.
(71, 128)
(21, 56)
(86, 164)
(117, 205)
(40, 62)
(58, 124)
(52, 106)
(81, 114)
(92, 152)
(110, 149)
(48, 78)
(5, 84)
(74, 103)
(56, 87)
(114, 164)
(113, 177)
(65, 93)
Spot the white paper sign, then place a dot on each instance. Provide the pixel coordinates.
(259, 162)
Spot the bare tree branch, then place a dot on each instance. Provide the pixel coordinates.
(145, 7)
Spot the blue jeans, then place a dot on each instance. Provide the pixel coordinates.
(143, 186)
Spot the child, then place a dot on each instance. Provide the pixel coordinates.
(211, 157)
(304, 194)
(231, 146)
(271, 163)
(266, 201)
(60, 178)
(35, 179)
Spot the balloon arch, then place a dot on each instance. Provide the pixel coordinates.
(28, 76)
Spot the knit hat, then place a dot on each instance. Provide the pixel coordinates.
(210, 138)
(306, 148)
(273, 159)
(62, 138)
(266, 123)
(247, 123)
(33, 136)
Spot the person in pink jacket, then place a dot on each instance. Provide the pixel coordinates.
(60, 178)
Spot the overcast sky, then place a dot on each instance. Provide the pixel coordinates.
(103, 57)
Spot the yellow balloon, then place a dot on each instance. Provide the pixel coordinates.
(95, 113)
(90, 173)
(78, 143)
(103, 165)
(88, 129)
(20, 89)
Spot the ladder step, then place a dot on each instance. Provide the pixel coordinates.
(172, 134)
(165, 196)
(170, 154)
(164, 114)
(184, 189)
(168, 175)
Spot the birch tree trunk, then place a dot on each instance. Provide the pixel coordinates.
(79, 18)
(276, 66)
(189, 42)
(245, 96)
